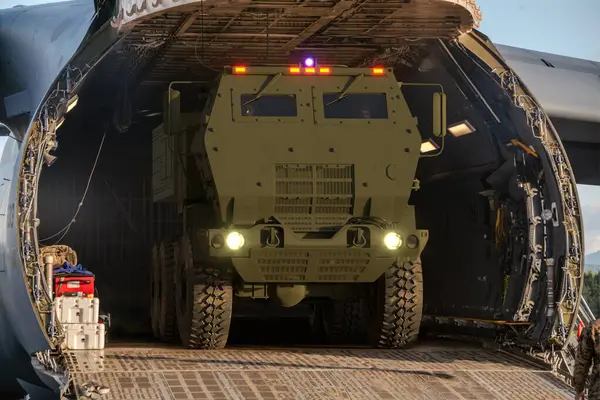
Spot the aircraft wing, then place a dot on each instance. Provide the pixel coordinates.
(567, 87)
(569, 90)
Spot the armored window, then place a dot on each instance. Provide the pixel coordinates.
(355, 105)
(269, 105)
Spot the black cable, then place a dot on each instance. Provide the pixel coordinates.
(65, 230)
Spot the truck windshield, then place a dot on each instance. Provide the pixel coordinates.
(356, 105)
(269, 105)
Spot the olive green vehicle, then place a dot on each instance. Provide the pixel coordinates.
(294, 185)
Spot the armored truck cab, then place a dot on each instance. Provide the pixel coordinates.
(294, 184)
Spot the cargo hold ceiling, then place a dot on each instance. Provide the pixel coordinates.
(189, 41)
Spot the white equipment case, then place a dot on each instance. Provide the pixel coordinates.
(85, 336)
(77, 310)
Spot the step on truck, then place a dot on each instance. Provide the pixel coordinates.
(293, 183)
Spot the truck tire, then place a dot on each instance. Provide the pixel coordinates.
(168, 317)
(204, 303)
(345, 321)
(396, 317)
(155, 292)
(315, 321)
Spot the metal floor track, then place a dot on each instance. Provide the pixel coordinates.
(425, 372)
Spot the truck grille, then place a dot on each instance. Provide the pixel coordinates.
(326, 265)
(310, 197)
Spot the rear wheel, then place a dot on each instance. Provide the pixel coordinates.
(395, 320)
(204, 302)
(155, 292)
(345, 321)
(168, 317)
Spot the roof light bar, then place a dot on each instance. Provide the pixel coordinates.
(310, 71)
(298, 69)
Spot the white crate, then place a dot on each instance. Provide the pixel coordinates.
(77, 310)
(85, 336)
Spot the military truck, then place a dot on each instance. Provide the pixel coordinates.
(293, 183)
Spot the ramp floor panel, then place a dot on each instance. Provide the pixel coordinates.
(425, 372)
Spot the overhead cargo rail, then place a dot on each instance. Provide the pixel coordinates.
(180, 36)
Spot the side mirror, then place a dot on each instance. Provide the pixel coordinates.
(172, 112)
(439, 114)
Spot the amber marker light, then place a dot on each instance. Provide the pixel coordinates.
(294, 70)
(378, 71)
(239, 70)
(309, 70)
(324, 70)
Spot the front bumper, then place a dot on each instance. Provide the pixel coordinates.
(274, 253)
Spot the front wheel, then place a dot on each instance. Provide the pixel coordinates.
(397, 306)
(204, 302)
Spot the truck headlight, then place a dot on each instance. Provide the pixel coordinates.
(235, 240)
(393, 241)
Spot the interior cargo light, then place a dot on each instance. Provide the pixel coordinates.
(324, 70)
(294, 70)
(378, 71)
(239, 70)
(72, 102)
(59, 123)
(428, 146)
(461, 128)
(235, 240)
(309, 70)
(309, 62)
(393, 241)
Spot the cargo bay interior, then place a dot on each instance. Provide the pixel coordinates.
(469, 197)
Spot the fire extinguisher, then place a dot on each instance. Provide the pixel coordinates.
(580, 329)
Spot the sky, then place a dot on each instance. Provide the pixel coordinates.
(569, 28)
(565, 27)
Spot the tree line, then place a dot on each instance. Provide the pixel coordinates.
(591, 291)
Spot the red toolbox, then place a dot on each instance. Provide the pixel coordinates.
(74, 285)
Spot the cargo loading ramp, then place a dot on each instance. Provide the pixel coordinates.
(429, 371)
